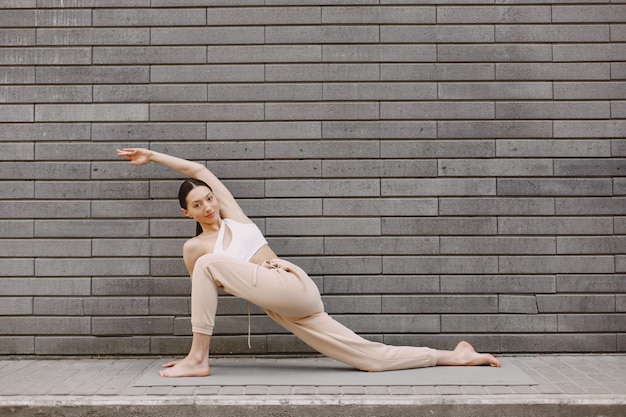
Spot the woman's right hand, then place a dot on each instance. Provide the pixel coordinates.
(136, 156)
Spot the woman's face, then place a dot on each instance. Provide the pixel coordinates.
(202, 205)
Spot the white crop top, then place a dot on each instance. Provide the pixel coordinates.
(246, 240)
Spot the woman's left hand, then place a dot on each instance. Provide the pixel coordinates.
(136, 156)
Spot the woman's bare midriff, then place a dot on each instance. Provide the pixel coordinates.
(264, 254)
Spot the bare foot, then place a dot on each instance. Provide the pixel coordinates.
(186, 367)
(465, 355)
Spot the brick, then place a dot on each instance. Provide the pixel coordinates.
(26, 286)
(439, 226)
(266, 169)
(553, 187)
(264, 92)
(321, 72)
(45, 248)
(218, 16)
(517, 304)
(555, 225)
(495, 167)
(16, 152)
(620, 225)
(589, 91)
(595, 52)
(497, 245)
(495, 284)
(574, 323)
(170, 305)
(44, 170)
(552, 71)
(493, 14)
(378, 168)
(553, 148)
(17, 75)
(430, 110)
(386, 91)
(140, 286)
(393, 323)
(52, 94)
(620, 263)
(440, 264)
(18, 345)
(123, 306)
(436, 34)
(363, 304)
(553, 110)
(212, 150)
(437, 149)
(94, 36)
(591, 245)
(136, 326)
(378, 15)
(552, 33)
(469, 304)
(93, 74)
(496, 206)
(379, 53)
(135, 345)
(90, 112)
(575, 303)
(297, 246)
(58, 306)
(587, 14)
(618, 109)
(17, 113)
(558, 343)
(495, 129)
(618, 70)
(495, 90)
(135, 208)
(262, 53)
(381, 207)
(264, 130)
(322, 188)
(381, 245)
(436, 72)
(91, 228)
(45, 209)
(322, 227)
(590, 283)
(16, 228)
(282, 207)
(212, 112)
(590, 129)
(375, 130)
(150, 93)
(46, 56)
(386, 284)
(154, 131)
(45, 17)
(509, 323)
(136, 247)
(321, 149)
(556, 264)
(322, 34)
(323, 110)
(33, 325)
(16, 306)
(149, 17)
(207, 36)
(494, 53)
(619, 186)
(89, 267)
(590, 206)
(17, 37)
(149, 55)
(95, 190)
(438, 187)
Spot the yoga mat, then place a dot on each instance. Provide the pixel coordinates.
(327, 372)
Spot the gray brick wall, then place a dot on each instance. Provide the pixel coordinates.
(443, 171)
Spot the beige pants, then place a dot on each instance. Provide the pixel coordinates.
(287, 294)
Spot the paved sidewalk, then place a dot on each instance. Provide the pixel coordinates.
(567, 385)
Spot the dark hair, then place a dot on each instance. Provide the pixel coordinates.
(188, 185)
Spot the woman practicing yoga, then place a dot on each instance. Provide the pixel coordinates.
(230, 253)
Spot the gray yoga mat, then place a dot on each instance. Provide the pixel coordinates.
(324, 372)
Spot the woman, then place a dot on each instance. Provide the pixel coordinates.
(230, 253)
